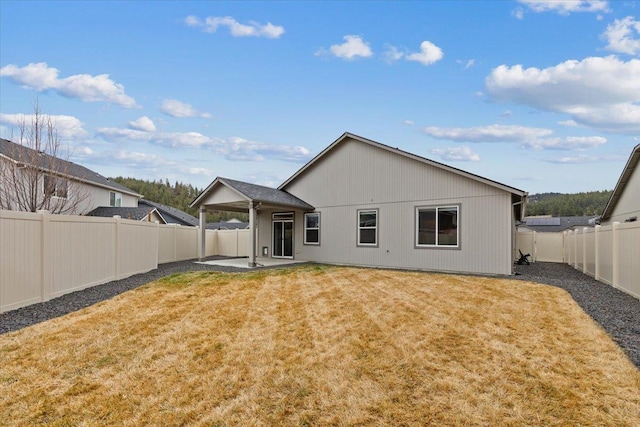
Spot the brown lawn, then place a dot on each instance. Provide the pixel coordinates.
(321, 346)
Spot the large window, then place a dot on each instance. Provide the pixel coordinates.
(115, 199)
(55, 187)
(368, 227)
(437, 226)
(312, 228)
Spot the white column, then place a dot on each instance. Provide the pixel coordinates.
(252, 235)
(202, 253)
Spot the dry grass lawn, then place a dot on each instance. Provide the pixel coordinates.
(321, 345)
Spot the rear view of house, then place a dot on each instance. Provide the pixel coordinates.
(363, 203)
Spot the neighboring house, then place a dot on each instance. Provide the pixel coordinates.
(232, 224)
(363, 203)
(84, 188)
(556, 224)
(141, 213)
(171, 215)
(624, 203)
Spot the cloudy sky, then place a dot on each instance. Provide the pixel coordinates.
(540, 95)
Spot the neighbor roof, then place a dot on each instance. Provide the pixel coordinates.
(557, 224)
(256, 193)
(631, 165)
(171, 215)
(18, 153)
(138, 213)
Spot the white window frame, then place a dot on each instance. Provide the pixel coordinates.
(306, 242)
(359, 228)
(437, 226)
(117, 196)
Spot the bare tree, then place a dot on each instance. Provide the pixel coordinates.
(35, 174)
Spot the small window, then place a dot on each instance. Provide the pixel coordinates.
(55, 187)
(437, 226)
(368, 227)
(115, 199)
(312, 228)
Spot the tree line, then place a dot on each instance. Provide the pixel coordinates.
(590, 203)
(177, 195)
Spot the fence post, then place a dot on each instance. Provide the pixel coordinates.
(584, 250)
(175, 242)
(615, 252)
(237, 241)
(45, 261)
(535, 246)
(597, 252)
(117, 219)
(575, 249)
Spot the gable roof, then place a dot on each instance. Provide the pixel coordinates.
(255, 193)
(138, 213)
(424, 160)
(628, 170)
(18, 153)
(171, 215)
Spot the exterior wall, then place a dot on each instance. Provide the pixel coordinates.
(221, 194)
(629, 203)
(357, 176)
(98, 196)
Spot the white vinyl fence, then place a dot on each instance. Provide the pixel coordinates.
(43, 256)
(543, 247)
(609, 253)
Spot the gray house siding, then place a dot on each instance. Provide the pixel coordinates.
(628, 204)
(355, 175)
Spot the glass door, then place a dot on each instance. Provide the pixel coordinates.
(282, 239)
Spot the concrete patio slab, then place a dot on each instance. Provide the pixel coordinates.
(244, 262)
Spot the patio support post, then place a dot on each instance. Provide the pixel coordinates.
(252, 235)
(203, 232)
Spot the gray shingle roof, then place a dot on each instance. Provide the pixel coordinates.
(138, 213)
(225, 225)
(557, 224)
(21, 153)
(171, 215)
(260, 193)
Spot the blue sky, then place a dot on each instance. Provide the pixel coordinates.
(540, 95)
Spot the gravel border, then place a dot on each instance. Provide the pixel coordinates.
(617, 312)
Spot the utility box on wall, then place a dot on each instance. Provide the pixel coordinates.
(265, 251)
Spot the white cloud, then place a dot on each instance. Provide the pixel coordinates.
(67, 127)
(568, 123)
(574, 143)
(581, 158)
(409, 122)
(462, 154)
(175, 108)
(429, 54)
(506, 113)
(233, 148)
(518, 13)
(392, 54)
(565, 7)
(352, 48)
(620, 36)
(143, 123)
(491, 133)
(603, 93)
(252, 29)
(41, 77)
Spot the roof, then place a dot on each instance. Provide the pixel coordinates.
(631, 165)
(556, 224)
(227, 225)
(138, 213)
(348, 135)
(171, 215)
(255, 193)
(18, 153)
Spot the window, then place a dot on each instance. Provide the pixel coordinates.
(115, 199)
(312, 228)
(368, 227)
(437, 226)
(55, 187)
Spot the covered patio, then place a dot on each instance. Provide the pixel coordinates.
(229, 195)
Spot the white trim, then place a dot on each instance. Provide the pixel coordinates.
(376, 228)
